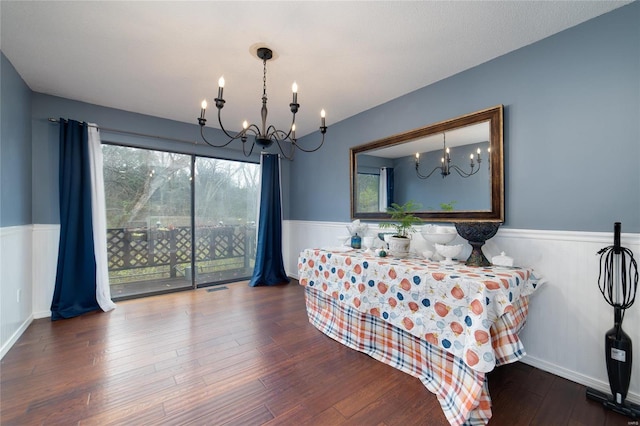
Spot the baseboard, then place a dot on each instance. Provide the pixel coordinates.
(574, 376)
(15, 336)
(42, 314)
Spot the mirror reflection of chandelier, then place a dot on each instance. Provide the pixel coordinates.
(445, 166)
(264, 136)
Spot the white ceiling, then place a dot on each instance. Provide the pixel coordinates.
(472, 134)
(163, 58)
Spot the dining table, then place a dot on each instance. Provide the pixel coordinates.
(446, 323)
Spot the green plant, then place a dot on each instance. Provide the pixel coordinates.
(402, 218)
(448, 207)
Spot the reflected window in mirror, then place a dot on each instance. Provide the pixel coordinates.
(375, 184)
(368, 191)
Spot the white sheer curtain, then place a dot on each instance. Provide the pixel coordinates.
(99, 217)
(382, 190)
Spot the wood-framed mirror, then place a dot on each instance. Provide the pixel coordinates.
(388, 171)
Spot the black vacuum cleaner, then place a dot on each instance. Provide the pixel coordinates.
(618, 282)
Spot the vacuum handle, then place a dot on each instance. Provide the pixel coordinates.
(616, 237)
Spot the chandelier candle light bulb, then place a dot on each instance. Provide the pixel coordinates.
(220, 87)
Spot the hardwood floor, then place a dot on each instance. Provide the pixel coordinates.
(240, 356)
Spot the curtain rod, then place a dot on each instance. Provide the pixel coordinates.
(128, 132)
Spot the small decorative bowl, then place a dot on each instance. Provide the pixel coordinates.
(438, 234)
(448, 252)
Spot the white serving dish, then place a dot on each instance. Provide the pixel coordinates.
(448, 252)
(438, 234)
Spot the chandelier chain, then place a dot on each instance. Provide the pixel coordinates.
(264, 78)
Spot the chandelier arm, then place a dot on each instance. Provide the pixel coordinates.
(293, 123)
(279, 135)
(284, 136)
(295, 144)
(253, 129)
(211, 144)
(224, 130)
(421, 176)
(462, 172)
(288, 157)
(253, 144)
(271, 131)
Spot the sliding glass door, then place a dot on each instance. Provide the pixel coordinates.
(152, 205)
(226, 199)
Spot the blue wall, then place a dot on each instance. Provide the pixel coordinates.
(15, 147)
(568, 99)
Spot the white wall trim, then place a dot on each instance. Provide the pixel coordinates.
(576, 377)
(46, 227)
(7, 231)
(15, 336)
(606, 238)
(16, 306)
(27, 267)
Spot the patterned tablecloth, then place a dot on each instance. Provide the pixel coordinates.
(464, 317)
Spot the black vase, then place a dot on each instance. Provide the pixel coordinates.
(477, 233)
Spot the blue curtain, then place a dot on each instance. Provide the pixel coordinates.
(390, 184)
(75, 290)
(269, 268)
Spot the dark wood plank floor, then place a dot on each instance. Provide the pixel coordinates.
(240, 356)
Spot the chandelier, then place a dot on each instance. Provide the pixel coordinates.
(445, 166)
(263, 135)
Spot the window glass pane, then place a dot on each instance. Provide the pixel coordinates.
(226, 203)
(368, 192)
(148, 219)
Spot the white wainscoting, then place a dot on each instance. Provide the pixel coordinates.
(15, 284)
(28, 258)
(45, 263)
(568, 316)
